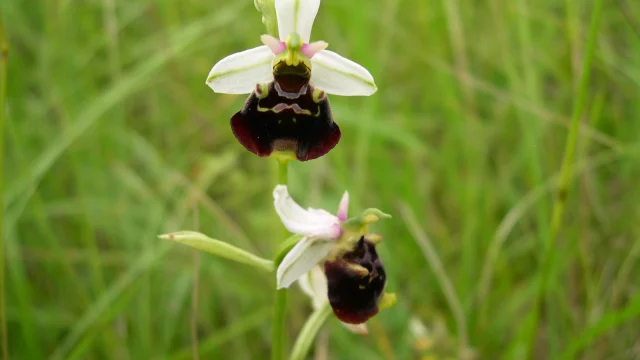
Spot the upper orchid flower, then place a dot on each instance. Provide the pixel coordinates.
(355, 275)
(288, 79)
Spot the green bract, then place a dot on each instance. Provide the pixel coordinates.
(219, 248)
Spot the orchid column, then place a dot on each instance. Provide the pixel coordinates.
(287, 115)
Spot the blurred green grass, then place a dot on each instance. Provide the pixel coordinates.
(112, 138)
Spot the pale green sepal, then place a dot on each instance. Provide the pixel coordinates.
(219, 248)
(309, 332)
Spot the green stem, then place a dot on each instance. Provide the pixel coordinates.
(283, 172)
(309, 332)
(277, 325)
(566, 175)
(4, 57)
(278, 338)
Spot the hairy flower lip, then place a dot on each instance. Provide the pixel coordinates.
(355, 317)
(353, 296)
(276, 123)
(314, 285)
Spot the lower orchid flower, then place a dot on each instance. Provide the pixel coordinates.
(355, 276)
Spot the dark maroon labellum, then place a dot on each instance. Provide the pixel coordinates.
(353, 295)
(287, 118)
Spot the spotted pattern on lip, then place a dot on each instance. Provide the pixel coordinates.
(294, 107)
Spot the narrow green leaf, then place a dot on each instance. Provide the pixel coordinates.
(219, 248)
(607, 322)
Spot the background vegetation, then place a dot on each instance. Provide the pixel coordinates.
(111, 138)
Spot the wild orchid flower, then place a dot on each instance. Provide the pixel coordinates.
(355, 275)
(288, 79)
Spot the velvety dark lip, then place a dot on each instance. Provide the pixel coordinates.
(353, 296)
(289, 121)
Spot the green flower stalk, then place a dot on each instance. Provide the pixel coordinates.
(4, 58)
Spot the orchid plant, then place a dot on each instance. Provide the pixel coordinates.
(287, 114)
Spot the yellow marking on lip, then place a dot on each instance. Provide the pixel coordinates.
(298, 111)
(360, 270)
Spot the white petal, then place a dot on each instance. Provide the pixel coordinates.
(343, 209)
(319, 282)
(360, 329)
(305, 285)
(276, 46)
(340, 76)
(240, 72)
(309, 50)
(310, 222)
(304, 256)
(296, 16)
